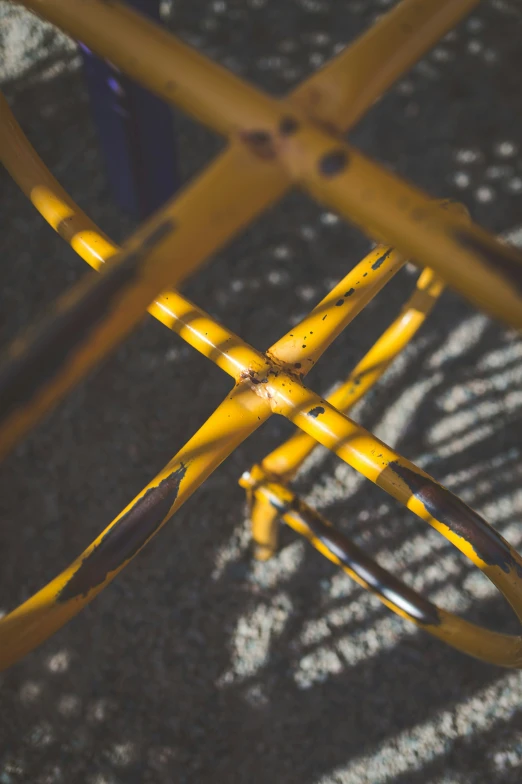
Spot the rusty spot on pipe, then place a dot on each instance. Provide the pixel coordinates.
(449, 510)
(126, 537)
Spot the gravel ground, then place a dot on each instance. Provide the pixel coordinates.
(196, 664)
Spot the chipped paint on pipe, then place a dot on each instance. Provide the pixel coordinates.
(494, 647)
(286, 459)
(384, 206)
(21, 630)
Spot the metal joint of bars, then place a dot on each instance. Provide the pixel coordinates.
(273, 144)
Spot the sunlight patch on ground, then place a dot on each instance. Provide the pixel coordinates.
(412, 749)
(253, 637)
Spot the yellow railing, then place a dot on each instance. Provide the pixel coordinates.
(272, 145)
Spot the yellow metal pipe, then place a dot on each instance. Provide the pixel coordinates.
(412, 487)
(496, 648)
(91, 319)
(213, 340)
(264, 522)
(482, 268)
(305, 343)
(183, 316)
(45, 192)
(389, 209)
(51, 607)
(285, 145)
(165, 65)
(336, 96)
(285, 460)
(343, 90)
(55, 205)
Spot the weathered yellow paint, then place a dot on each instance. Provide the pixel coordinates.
(280, 136)
(36, 619)
(286, 459)
(378, 462)
(341, 92)
(165, 250)
(305, 343)
(496, 648)
(272, 145)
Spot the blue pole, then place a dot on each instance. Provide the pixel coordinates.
(136, 132)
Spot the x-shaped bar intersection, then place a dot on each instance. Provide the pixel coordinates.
(272, 145)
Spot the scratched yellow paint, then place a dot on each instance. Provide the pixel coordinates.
(36, 619)
(389, 209)
(494, 647)
(273, 144)
(286, 459)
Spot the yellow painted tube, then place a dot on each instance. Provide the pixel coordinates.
(86, 323)
(493, 647)
(341, 92)
(483, 269)
(51, 607)
(411, 486)
(307, 341)
(273, 143)
(278, 134)
(285, 460)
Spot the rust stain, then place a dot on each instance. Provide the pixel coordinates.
(126, 537)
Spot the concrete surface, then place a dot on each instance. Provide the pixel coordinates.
(197, 665)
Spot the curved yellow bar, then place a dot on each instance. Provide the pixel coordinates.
(283, 138)
(227, 350)
(272, 145)
(47, 610)
(415, 489)
(87, 322)
(286, 459)
(504, 650)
